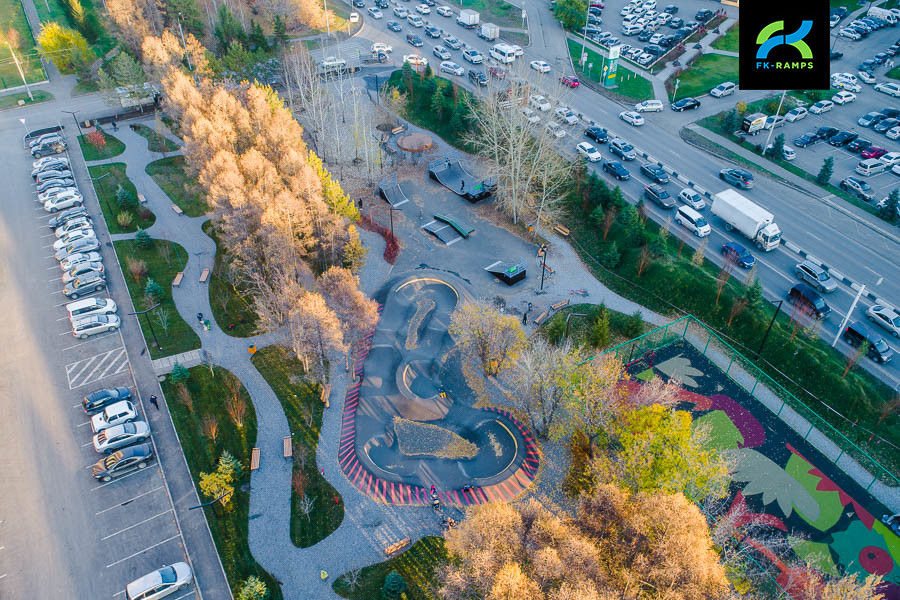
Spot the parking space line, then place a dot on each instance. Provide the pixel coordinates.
(4, 575)
(148, 519)
(87, 363)
(129, 501)
(122, 478)
(95, 338)
(121, 560)
(112, 362)
(194, 591)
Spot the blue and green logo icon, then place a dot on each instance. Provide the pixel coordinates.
(768, 40)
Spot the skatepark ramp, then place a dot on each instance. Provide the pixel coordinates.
(390, 190)
(449, 172)
(442, 231)
(507, 273)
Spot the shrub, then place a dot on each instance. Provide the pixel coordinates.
(144, 213)
(634, 325)
(96, 139)
(154, 290)
(611, 256)
(179, 373)
(253, 588)
(556, 330)
(125, 198)
(143, 240)
(394, 585)
(124, 219)
(600, 330)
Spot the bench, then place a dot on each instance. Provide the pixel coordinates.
(562, 230)
(178, 277)
(254, 459)
(396, 547)
(288, 447)
(141, 198)
(204, 275)
(541, 317)
(177, 209)
(398, 129)
(559, 304)
(325, 393)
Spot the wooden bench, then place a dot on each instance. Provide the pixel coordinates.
(559, 304)
(254, 459)
(288, 447)
(204, 275)
(325, 394)
(141, 198)
(541, 317)
(177, 209)
(396, 547)
(398, 129)
(562, 230)
(178, 277)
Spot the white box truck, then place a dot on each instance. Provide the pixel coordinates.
(489, 32)
(467, 18)
(752, 220)
(883, 13)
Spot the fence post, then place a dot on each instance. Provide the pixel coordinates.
(708, 340)
(729, 365)
(665, 331)
(687, 322)
(754, 385)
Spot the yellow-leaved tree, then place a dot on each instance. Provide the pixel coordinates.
(66, 47)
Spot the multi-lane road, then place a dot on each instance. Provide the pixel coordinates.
(853, 243)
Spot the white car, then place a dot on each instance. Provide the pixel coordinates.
(415, 21)
(692, 198)
(787, 153)
(893, 133)
(843, 97)
(452, 68)
(589, 152)
(891, 89)
(416, 60)
(85, 327)
(723, 89)
(120, 436)
(866, 77)
(843, 84)
(73, 236)
(375, 12)
(540, 66)
(56, 160)
(444, 11)
(649, 106)
(452, 42)
(555, 129)
(891, 158)
(441, 52)
(531, 116)
(796, 114)
(161, 583)
(649, 4)
(632, 118)
(540, 103)
(55, 192)
(849, 34)
(565, 115)
(822, 106)
(379, 47)
(627, 10)
(400, 12)
(517, 50)
(112, 415)
(886, 317)
(70, 262)
(423, 9)
(63, 202)
(663, 18)
(73, 225)
(473, 56)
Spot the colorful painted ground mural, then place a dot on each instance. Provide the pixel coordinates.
(783, 481)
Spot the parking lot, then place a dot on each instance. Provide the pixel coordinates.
(98, 535)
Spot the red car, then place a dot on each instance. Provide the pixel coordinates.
(873, 152)
(570, 80)
(596, 4)
(497, 72)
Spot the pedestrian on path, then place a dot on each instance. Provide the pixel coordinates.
(154, 402)
(200, 318)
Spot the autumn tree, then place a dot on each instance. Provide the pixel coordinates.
(494, 340)
(65, 47)
(315, 332)
(122, 71)
(596, 397)
(135, 20)
(357, 313)
(543, 379)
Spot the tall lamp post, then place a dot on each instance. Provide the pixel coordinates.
(392, 209)
(149, 323)
(77, 124)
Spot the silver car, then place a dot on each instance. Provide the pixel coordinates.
(815, 276)
(886, 317)
(82, 269)
(85, 327)
(120, 436)
(91, 282)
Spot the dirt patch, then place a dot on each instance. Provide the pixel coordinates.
(423, 307)
(417, 439)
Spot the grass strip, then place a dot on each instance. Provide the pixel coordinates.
(112, 147)
(630, 86)
(170, 174)
(418, 566)
(155, 141)
(107, 179)
(231, 308)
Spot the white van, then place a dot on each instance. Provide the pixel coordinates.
(90, 306)
(690, 218)
(630, 20)
(503, 53)
(631, 29)
(870, 166)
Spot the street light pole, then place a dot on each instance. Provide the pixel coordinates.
(543, 264)
(772, 130)
(772, 322)
(183, 44)
(840, 330)
(77, 124)
(21, 73)
(149, 324)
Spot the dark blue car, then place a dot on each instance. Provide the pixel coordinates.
(734, 252)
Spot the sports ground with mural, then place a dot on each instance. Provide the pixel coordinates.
(784, 483)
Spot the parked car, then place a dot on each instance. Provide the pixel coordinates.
(160, 583)
(46, 174)
(632, 118)
(866, 77)
(886, 317)
(68, 263)
(451, 67)
(598, 134)
(885, 125)
(816, 276)
(807, 139)
(90, 306)
(773, 122)
(122, 462)
(873, 152)
(49, 162)
(96, 400)
(659, 195)
(890, 88)
(734, 252)
(891, 158)
(113, 414)
(73, 225)
(857, 334)
(655, 173)
(539, 102)
(63, 202)
(858, 188)
(121, 436)
(842, 138)
(648, 106)
(723, 89)
(62, 182)
(858, 145)
(796, 114)
(85, 327)
(617, 170)
(685, 104)
(82, 270)
(531, 116)
(554, 129)
(822, 106)
(737, 177)
(565, 115)
(416, 60)
(73, 236)
(79, 247)
(588, 151)
(79, 212)
(84, 285)
(692, 198)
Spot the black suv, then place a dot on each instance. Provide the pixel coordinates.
(477, 77)
(598, 134)
(432, 31)
(672, 9)
(891, 113)
(676, 23)
(617, 170)
(655, 173)
(655, 50)
(703, 15)
(809, 300)
(857, 334)
(414, 40)
(858, 145)
(645, 35)
(842, 138)
(659, 196)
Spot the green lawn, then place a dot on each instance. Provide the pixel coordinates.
(417, 566)
(893, 73)
(708, 71)
(163, 260)
(208, 396)
(173, 125)
(730, 41)
(113, 175)
(85, 87)
(630, 86)
(155, 141)
(519, 38)
(418, 109)
(497, 12)
(580, 327)
(231, 308)
(12, 17)
(303, 409)
(12, 100)
(170, 174)
(113, 147)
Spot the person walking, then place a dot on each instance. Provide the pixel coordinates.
(154, 401)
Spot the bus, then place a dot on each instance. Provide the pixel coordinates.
(503, 53)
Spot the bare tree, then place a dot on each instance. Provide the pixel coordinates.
(543, 378)
(723, 276)
(358, 314)
(209, 424)
(305, 504)
(351, 578)
(184, 396)
(237, 409)
(165, 251)
(161, 315)
(315, 332)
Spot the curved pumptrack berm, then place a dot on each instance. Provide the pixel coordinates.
(399, 373)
